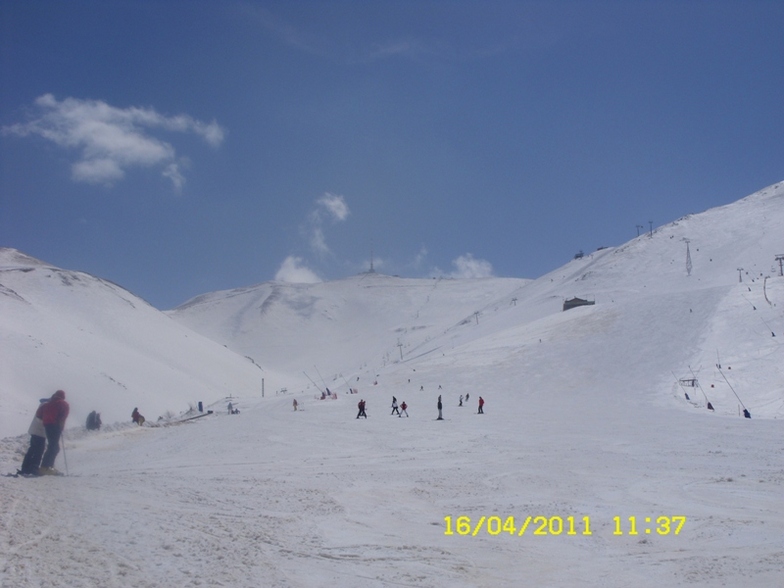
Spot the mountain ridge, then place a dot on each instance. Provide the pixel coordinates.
(688, 296)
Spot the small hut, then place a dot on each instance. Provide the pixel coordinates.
(575, 302)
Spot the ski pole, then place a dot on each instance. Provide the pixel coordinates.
(65, 456)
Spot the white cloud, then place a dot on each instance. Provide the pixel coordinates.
(467, 266)
(97, 170)
(173, 172)
(335, 205)
(113, 139)
(292, 271)
(420, 257)
(318, 242)
(332, 206)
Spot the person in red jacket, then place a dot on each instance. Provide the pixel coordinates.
(481, 406)
(53, 415)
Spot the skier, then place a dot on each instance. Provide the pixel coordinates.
(468, 394)
(481, 404)
(93, 421)
(53, 415)
(361, 406)
(231, 408)
(461, 400)
(440, 406)
(137, 418)
(394, 407)
(32, 459)
(295, 404)
(403, 407)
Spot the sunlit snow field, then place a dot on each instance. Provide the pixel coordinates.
(584, 418)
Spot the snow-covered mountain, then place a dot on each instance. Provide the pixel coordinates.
(589, 467)
(702, 291)
(108, 349)
(675, 303)
(336, 329)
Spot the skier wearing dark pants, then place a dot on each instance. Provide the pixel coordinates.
(53, 416)
(361, 406)
(481, 406)
(394, 407)
(32, 459)
(440, 406)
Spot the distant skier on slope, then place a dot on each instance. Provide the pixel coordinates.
(136, 417)
(481, 406)
(394, 407)
(440, 406)
(403, 407)
(361, 407)
(93, 421)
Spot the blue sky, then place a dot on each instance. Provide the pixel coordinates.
(182, 147)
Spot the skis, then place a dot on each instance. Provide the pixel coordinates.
(19, 474)
(55, 473)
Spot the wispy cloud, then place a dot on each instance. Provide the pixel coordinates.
(111, 139)
(330, 207)
(420, 258)
(467, 266)
(334, 205)
(293, 271)
(353, 50)
(327, 209)
(281, 29)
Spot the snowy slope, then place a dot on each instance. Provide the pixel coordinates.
(584, 418)
(108, 349)
(336, 329)
(676, 297)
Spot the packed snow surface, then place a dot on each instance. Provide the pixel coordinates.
(587, 429)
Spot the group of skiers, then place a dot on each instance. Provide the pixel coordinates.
(45, 432)
(403, 406)
(49, 422)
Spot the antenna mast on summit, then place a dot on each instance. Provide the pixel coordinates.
(688, 257)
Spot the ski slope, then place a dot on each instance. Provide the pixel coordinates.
(584, 418)
(108, 349)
